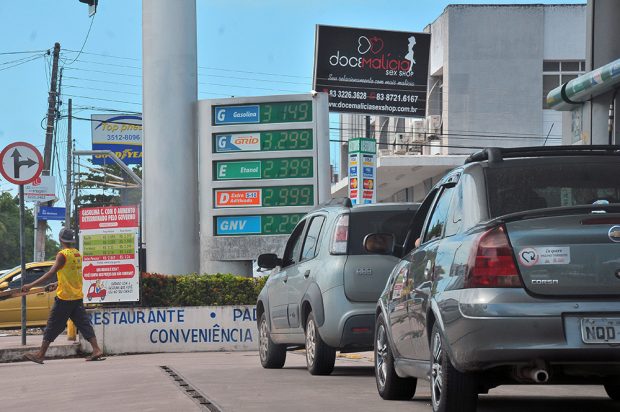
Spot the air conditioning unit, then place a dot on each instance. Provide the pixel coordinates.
(419, 131)
(400, 143)
(433, 124)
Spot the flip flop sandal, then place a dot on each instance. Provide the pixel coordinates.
(95, 358)
(31, 357)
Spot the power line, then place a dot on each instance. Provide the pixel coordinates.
(92, 20)
(104, 100)
(23, 62)
(24, 52)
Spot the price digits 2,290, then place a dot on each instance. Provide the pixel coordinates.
(280, 224)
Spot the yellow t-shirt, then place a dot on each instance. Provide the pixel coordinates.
(70, 276)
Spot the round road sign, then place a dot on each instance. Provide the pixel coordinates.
(20, 163)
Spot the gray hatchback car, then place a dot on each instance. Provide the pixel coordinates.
(323, 291)
(514, 278)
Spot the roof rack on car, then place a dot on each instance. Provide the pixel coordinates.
(497, 154)
(336, 201)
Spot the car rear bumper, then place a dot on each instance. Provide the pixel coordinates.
(484, 332)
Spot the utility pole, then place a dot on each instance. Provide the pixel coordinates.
(69, 163)
(39, 244)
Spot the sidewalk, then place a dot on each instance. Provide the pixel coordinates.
(11, 348)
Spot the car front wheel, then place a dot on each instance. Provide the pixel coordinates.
(389, 384)
(451, 390)
(272, 356)
(320, 357)
(613, 391)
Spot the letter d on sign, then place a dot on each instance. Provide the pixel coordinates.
(224, 198)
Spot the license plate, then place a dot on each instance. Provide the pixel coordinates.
(600, 330)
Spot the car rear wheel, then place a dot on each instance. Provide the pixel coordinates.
(613, 391)
(272, 356)
(451, 390)
(389, 384)
(320, 357)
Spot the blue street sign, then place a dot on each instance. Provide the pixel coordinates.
(51, 213)
(238, 225)
(237, 114)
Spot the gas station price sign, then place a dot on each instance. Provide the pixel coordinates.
(262, 113)
(278, 168)
(270, 224)
(265, 141)
(272, 196)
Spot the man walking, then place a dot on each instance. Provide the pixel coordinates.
(68, 302)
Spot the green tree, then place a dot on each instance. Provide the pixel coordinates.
(9, 233)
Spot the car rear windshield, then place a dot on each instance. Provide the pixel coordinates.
(364, 223)
(539, 185)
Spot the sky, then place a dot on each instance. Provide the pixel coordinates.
(245, 48)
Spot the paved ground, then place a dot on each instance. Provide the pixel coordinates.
(236, 382)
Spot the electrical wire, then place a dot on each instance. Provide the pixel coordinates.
(92, 20)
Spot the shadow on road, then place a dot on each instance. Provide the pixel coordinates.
(544, 404)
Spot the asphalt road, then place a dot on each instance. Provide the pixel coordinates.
(236, 382)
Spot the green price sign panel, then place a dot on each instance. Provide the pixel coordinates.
(300, 195)
(268, 141)
(280, 224)
(282, 168)
(262, 113)
(109, 244)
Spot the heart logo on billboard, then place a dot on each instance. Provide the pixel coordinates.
(363, 45)
(376, 44)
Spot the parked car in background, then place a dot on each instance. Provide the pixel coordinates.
(516, 279)
(323, 291)
(38, 305)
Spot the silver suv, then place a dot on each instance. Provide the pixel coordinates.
(322, 293)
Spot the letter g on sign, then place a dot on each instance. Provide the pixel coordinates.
(221, 115)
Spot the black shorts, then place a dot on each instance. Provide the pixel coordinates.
(61, 312)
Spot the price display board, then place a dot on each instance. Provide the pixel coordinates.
(276, 112)
(274, 196)
(280, 224)
(269, 141)
(277, 168)
(264, 163)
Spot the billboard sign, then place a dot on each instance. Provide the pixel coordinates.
(109, 246)
(120, 133)
(371, 71)
(42, 189)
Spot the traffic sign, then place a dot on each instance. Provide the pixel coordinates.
(20, 163)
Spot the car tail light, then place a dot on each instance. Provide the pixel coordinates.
(341, 236)
(492, 264)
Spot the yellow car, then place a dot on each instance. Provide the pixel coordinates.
(38, 305)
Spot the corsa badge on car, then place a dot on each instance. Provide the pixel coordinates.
(614, 233)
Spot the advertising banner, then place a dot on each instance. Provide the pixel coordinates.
(42, 189)
(109, 246)
(362, 171)
(371, 71)
(121, 134)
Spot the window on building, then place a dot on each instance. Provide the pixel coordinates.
(556, 73)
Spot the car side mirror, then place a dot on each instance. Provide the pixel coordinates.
(268, 261)
(4, 285)
(379, 243)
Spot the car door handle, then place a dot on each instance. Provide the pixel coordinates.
(40, 293)
(285, 278)
(307, 274)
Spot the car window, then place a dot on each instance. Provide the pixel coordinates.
(31, 275)
(439, 216)
(539, 185)
(293, 245)
(415, 230)
(311, 242)
(455, 213)
(377, 221)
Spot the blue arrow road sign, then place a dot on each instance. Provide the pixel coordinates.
(51, 213)
(236, 114)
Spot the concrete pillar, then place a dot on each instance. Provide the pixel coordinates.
(170, 172)
(603, 32)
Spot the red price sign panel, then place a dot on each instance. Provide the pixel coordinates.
(20, 163)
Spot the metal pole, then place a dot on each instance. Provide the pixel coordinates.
(69, 162)
(368, 126)
(22, 253)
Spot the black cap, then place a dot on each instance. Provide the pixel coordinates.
(66, 236)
